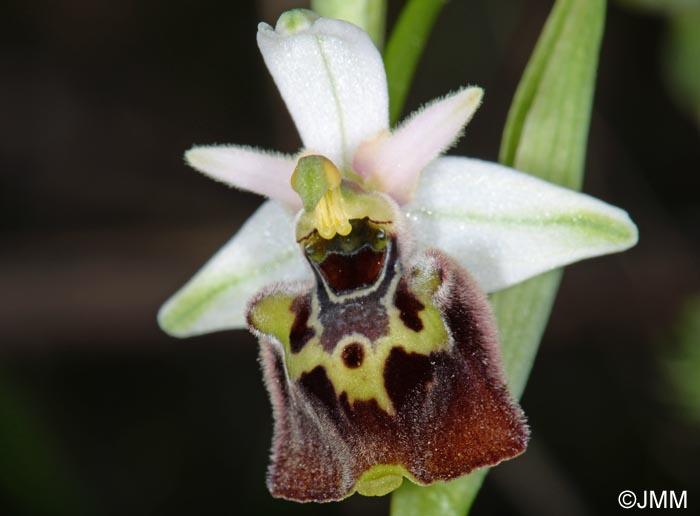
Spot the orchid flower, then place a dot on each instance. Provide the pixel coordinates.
(364, 273)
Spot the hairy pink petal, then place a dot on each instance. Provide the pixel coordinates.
(397, 159)
(258, 171)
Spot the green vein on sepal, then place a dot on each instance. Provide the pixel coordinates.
(595, 227)
(198, 295)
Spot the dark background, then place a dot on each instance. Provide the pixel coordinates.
(103, 414)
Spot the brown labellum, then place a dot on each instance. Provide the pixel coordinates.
(383, 372)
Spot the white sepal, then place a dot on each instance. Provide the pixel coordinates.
(504, 226)
(332, 79)
(262, 252)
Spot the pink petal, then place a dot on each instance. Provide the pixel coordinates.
(396, 160)
(258, 171)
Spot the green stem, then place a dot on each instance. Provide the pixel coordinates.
(546, 135)
(369, 15)
(405, 47)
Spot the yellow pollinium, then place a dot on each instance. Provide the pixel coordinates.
(318, 182)
(330, 215)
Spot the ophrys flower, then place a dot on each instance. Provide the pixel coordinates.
(379, 350)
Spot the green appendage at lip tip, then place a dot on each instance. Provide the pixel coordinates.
(593, 226)
(189, 306)
(381, 479)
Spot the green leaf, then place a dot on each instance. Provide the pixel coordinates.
(662, 6)
(546, 135)
(405, 47)
(445, 499)
(681, 60)
(680, 362)
(547, 127)
(369, 15)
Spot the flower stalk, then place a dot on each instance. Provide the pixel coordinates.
(405, 47)
(369, 15)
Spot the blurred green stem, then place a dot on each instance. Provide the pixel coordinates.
(369, 15)
(35, 474)
(681, 59)
(405, 47)
(546, 135)
(680, 362)
(406, 44)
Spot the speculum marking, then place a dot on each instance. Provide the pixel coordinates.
(348, 272)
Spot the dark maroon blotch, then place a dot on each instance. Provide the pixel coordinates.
(407, 377)
(452, 411)
(409, 307)
(317, 384)
(353, 355)
(300, 333)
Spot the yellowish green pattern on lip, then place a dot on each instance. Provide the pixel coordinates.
(273, 315)
(437, 408)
